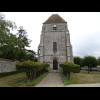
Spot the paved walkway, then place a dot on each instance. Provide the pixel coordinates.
(84, 85)
(51, 80)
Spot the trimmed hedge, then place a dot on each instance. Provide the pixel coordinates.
(32, 69)
(30, 65)
(69, 67)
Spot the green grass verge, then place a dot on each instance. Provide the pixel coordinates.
(11, 80)
(24, 83)
(9, 73)
(82, 78)
(86, 78)
(66, 81)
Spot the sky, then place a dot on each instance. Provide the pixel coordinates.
(84, 29)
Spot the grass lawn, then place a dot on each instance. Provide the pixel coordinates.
(23, 83)
(82, 78)
(19, 80)
(11, 80)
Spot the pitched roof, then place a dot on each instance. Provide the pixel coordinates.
(54, 18)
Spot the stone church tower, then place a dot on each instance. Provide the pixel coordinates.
(55, 46)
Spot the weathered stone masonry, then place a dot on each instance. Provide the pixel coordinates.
(7, 65)
(61, 36)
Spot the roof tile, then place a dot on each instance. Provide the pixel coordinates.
(55, 18)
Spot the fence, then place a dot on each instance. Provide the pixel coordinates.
(93, 69)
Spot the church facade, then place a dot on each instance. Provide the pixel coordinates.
(55, 46)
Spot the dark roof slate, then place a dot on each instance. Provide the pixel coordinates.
(54, 18)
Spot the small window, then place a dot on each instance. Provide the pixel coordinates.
(54, 46)
(38, 51)
(54, 27)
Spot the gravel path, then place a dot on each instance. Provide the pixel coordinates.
(51, 80)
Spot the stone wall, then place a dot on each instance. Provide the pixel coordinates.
(7, 65)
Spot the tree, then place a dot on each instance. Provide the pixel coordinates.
(90, 61)
(98, 61)
(5, 27)
(30, 54)
(1, 53)
(22, 35)
(5, 36)
(13, 46)
(79, 61)
(21, 55)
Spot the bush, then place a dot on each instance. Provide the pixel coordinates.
(32, 69)
(35, 59)
(69, 67)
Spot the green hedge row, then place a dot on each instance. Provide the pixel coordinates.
(9, 73)
(32, 69)
(69, 67)
(30, 65)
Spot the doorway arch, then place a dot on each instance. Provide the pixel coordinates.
(55, 64)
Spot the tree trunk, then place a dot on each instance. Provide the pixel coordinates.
(42, 71)
(68, 75)
(64, 72)
(32, 75)
(28, 77)
(38, 74)
(88, 69)
(91, 69)
(28, 80)
(80, 67)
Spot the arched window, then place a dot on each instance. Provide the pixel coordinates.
(54, 46)
(38, 51)
(55, 64)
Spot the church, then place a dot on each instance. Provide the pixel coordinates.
(55, 46)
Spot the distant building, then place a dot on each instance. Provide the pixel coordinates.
(55, 46)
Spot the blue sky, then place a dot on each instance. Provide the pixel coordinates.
(84, 28)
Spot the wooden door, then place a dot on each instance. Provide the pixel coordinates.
(55, 65)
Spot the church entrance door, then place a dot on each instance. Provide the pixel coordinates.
(55, 65)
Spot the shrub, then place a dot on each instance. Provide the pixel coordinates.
(70, 67)
(35, 59)
(32, 68)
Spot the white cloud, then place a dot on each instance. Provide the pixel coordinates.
(84, 28)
